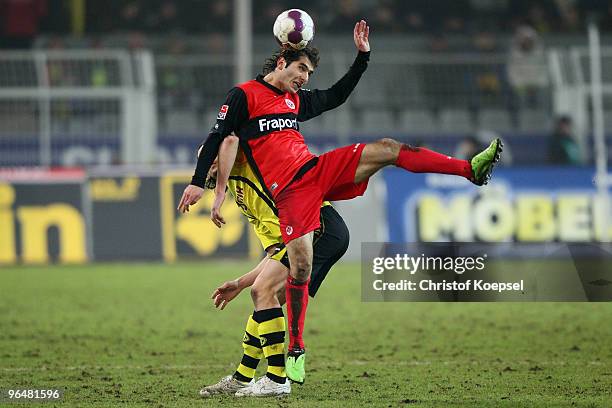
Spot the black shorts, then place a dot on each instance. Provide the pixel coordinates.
(330, 243)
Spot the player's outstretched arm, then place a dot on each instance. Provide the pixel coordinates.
(230, 289)
(315, 102)
(232, 115)
(227, 156)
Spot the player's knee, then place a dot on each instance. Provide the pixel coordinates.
(389, 149)
(302, 268)
(260, 292)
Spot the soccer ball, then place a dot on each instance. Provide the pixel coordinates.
(294, 27)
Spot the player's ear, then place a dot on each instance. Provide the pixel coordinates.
(281, 63)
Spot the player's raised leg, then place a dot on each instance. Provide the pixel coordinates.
(387, 152)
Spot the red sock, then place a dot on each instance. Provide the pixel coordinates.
(421, 160)
(297, 302)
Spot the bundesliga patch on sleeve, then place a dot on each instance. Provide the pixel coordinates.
(223, 112)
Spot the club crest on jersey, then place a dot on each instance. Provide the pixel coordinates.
(223, 112)
(289, 230)
(290, 103)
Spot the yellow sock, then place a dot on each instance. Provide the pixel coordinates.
(272, 336)
(252, 352)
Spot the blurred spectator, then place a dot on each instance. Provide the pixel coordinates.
(219, 17)
(539, 19)
(468, 147)
(542, 15)
(438, 43)
(136, 41)
(385, 18)
(131, 16)
(570, 18)
(454, 15)
(57, 71)
(487, 80)
(215, 16)
(415, 20)
(488, 14)
(19, 22)
(168, 19)
(265, 14)
(562, 147)
(346, 13)
(217, 43)
(527, 68)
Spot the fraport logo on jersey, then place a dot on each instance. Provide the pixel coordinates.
(290, 103)
(289, 230)
(277, 124)
(223, 112)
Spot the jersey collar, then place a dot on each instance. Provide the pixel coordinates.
(260, 79)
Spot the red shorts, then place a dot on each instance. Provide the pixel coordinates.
(332, 178)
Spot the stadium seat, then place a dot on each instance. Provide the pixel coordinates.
(329, 123)
(79, 126)
(495, 119)
(19, 123)
(313, 127)
(376, 121)
(337, 121)
(456, 121)
(370, 93)
(417, 121)
(182, 121)
(534, 121)
(209, 118)
(106, 123)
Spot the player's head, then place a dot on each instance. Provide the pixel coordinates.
(211, 178)
(290, 69)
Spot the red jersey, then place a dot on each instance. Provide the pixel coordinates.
(271, 137)
(266, 121)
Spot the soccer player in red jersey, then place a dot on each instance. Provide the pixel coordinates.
(264, 113)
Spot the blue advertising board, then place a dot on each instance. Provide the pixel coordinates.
(547, 204)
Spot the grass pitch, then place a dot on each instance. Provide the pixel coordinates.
(148, 335)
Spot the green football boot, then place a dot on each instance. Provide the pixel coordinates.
(483, 163)
(294, 367)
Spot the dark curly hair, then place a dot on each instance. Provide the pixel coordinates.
(290, 55)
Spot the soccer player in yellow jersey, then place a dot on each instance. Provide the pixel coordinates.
(265, 329)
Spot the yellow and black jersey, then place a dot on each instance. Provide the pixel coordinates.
(255, 204)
